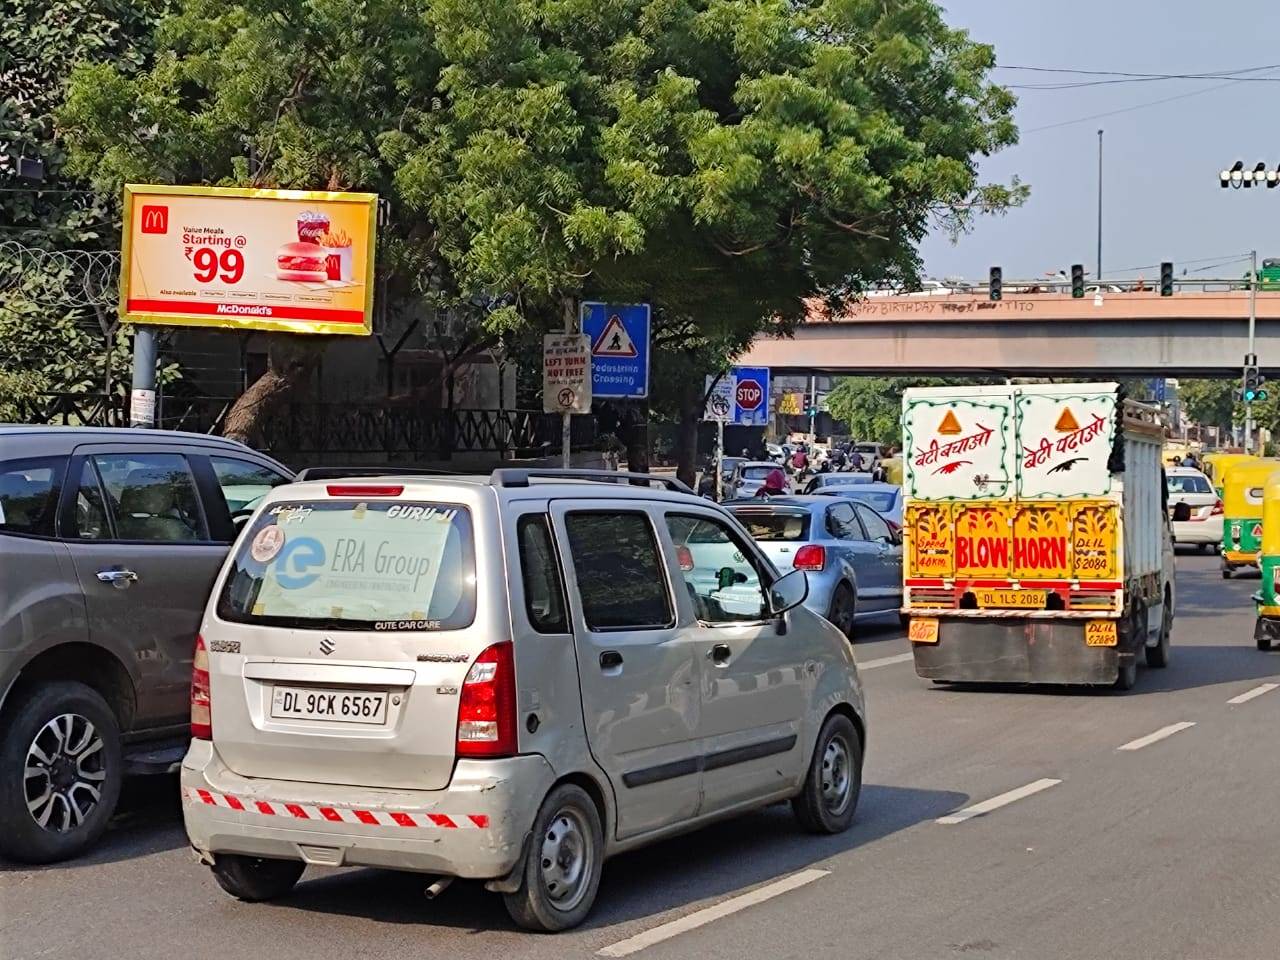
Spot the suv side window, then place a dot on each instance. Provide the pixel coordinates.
(619, 570)
(91, 521)
(29, 491)
(717, 569)
(842, 523)
(877, 528)
(540, 573)
(243, 482)
(152, 497)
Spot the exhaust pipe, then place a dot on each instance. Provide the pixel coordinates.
(435, 889)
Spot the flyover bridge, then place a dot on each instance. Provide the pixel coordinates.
(1200, 333)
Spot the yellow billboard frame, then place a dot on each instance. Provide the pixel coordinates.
(132, 190)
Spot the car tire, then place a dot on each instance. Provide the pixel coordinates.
(1206, 548)
(255, 879)
(562, 869)
(1158, 656)
(844, 609)
(67, 731)
(829, 798)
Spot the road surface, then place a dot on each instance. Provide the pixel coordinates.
(995, 823)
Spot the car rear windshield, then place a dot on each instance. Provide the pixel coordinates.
(1189, 483)
(766, 525)
(757, 473)
(355, 565)
(880, 501)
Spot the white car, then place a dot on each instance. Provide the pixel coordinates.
(1200, 523)
(508, 679)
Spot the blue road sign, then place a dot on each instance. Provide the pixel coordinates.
(751, 396)
(619, 335)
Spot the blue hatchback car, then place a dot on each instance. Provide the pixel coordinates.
(852, 555)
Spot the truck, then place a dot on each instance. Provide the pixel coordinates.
(1036, 539)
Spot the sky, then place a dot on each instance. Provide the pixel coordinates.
(1161, 195)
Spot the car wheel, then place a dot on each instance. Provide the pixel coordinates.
(562, 870)
(1158, 656)
(60, 773)
(1206, 548)
(829, 798)
(844, 609)
(255, 879)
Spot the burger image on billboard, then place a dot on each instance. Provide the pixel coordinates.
(302, 261)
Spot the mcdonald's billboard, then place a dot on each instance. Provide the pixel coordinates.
(291, 261)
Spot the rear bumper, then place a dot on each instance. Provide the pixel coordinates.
(1016, 650)
(1240, 558)
(1198, 531)
(474, 828)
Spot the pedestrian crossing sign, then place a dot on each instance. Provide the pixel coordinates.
(614, 341)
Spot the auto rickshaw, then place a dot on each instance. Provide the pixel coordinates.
(1267, 629)
(1216, 465)
(1242, 513)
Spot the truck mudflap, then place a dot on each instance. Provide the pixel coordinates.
(1017, 650)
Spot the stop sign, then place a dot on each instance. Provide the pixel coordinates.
(749, 395)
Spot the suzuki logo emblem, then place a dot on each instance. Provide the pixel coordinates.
(327, 646)
(155, 219)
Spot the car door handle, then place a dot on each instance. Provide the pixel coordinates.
(610, 660)
(118, 576)
(719, 654)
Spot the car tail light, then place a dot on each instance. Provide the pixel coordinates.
(487, 706)
(364, 490)
(1217, 509)
(201, 703)
(811, 556)
(684, 556)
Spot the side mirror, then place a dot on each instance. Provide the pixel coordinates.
(788, 591)
(1181, 512)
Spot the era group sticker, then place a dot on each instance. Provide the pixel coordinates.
(266, 544)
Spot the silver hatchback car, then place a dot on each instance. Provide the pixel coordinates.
(507, 678)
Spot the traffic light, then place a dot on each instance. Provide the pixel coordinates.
(1252, 384)
(1166, 279)
(994, 286)
(1077, 280)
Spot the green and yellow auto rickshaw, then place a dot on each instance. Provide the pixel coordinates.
(1267, 630)
(1242, 493)
(1216, 465)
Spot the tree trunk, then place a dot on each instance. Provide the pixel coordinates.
(691, 404)
(291, 360)
(636, 437)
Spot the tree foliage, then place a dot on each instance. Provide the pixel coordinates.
(45, 343)
(720, 159)
(872, 406)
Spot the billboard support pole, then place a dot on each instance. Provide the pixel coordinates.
(142, 396)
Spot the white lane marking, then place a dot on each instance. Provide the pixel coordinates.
(700, 918)
(995, 803)
(1255, 692)
(886, 661)
(1160, 734)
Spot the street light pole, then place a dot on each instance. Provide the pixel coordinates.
(1250, 358)
(1099, 206)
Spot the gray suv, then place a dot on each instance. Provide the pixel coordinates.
(109, 542)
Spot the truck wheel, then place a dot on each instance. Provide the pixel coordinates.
(829, 798)
(60, 773)
(1158, 656)
(562, 870)
(254, 879)
(1127, 676)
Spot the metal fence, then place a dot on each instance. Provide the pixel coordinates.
(312, 429)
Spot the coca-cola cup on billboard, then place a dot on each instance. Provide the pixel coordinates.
(312, 226)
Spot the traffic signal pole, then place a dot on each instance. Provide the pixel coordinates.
(1253, 319)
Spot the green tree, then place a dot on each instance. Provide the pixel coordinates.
(47, 327)
(1210, 403)
(872, 406)
(720, 159)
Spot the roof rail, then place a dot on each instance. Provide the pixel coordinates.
(520, 476)
(343, 473)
